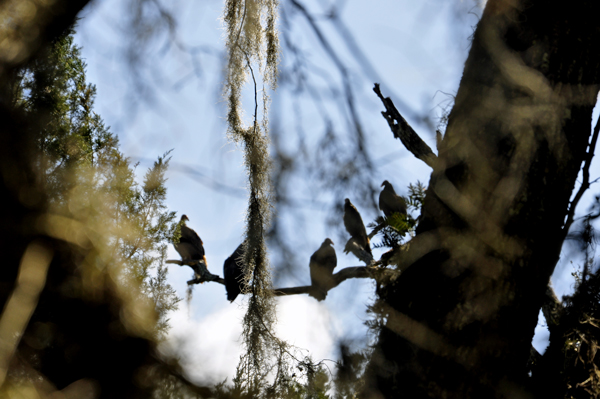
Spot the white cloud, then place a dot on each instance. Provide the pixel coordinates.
(209, 348)
(307, 324)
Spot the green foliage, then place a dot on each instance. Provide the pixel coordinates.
(54, 92)
(89, 180)
(176, 237)
(393, 229)
(416, 196)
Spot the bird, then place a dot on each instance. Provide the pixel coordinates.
(190, 246)
(233, 273)
(358, 250)
(390, 202)
(322, 263)
(355, 226)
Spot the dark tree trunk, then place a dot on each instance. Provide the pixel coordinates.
(461, 317)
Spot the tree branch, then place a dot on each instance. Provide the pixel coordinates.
(403, 131)
(585, 184)
(337, 279)
(373, 272)
(201, 273)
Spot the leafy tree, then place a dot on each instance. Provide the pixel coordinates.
(90, 180)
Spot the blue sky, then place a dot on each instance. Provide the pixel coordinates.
(417, 50)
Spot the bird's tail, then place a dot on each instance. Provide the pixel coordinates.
(318, 293)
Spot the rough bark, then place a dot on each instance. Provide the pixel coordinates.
(460, 319)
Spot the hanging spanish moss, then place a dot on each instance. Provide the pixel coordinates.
(252, 43)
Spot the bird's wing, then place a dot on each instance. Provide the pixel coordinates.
(390, 202)
(233, 273)
(330, 259)
(354, 223)
(324, 259)
(382, 203)
(188, 251)
(191, 237)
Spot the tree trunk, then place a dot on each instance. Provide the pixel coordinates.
(460, 319)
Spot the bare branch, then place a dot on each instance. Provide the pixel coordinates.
(403, 131)
(201, 273)
(585, 184)
(337, 279)
(330, 51)
(372, 272)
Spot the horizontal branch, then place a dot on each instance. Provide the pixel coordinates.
(373, 272)
(337, 278)
(201, 273)
(403, 131)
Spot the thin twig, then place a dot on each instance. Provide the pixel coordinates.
(329, 50)
(586, 179)
(368, 68)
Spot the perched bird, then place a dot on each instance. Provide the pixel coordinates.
(355, 226)
(358, 250)
(190, 245)
(233, 273)
(322, 263)
(390, 202)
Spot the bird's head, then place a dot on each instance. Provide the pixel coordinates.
(386, 183)
(328, 241)
(347, 201)
(184, 218)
